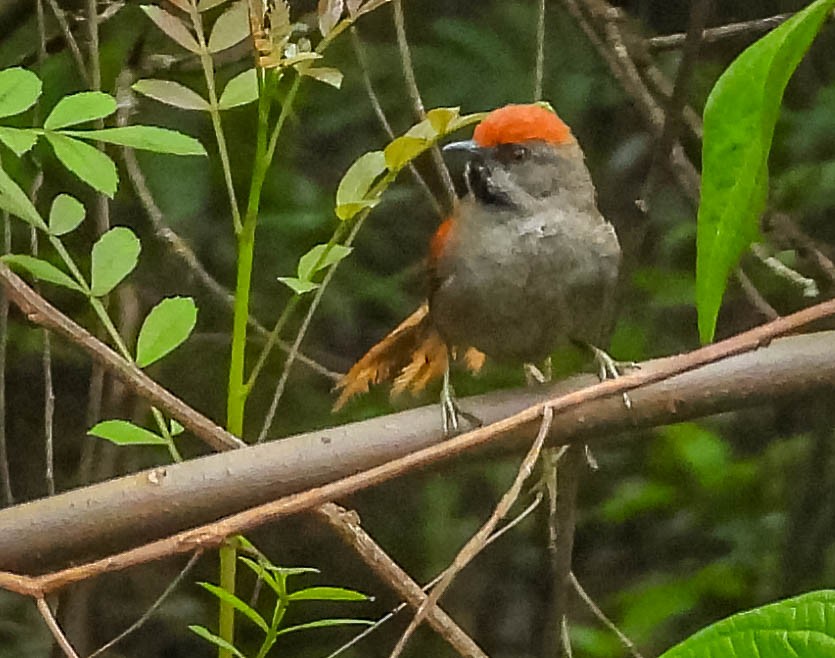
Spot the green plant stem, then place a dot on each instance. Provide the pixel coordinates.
(208, 66)
(272, 339)
(166, 433)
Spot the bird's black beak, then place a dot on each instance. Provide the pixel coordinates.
(468, 146)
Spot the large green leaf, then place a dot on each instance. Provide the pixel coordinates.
(19, 90)
(171, 93)
(79, 108)
(739, 119)
(146, 138)
(122, 432)
(88, 163)
(167, 326)
(114, 256)
(319, 258)
(43, 270)
(801, 627)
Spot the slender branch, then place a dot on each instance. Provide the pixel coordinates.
(601, 616)
(55, 629)
(173, 585)
(721, 33)
(347, 526)
(417, 101)
(478, 541)
(362, 60)
(790, 231)
(75, 51)
(539, 66)
(5, 474)
(754, 296)
(808, 286)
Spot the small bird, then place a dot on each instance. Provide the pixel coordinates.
(525, 263)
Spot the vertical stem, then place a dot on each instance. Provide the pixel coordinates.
(539, 71)
(5, 475)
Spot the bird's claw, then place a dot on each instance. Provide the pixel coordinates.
(608, 368)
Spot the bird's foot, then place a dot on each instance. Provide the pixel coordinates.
(608, 368)
(451, 411)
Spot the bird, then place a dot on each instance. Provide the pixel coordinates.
(525, 263)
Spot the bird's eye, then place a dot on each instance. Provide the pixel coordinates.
(519, 153)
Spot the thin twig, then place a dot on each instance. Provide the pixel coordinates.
(362, 60)
(789, 229)
(414, 94)
(780, 269)
(478, 541)
(61, 17)
(754, 296)
(721, 33)
(347, 525)
(153, 608)
(5, 474)
(300, 335)
(601, 616)
(539, 69)
(55, 629)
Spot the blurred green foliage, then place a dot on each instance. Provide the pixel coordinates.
(679, 527)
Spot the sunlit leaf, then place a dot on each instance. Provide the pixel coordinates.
(41, 269)
(87, 162)
(19, 90)
(327, 594)
(320, 258)
(298, 286)
(329, 13)
(146, 138)
(355, 184)
(122, 432)
(205, 5)
(231, 27)
(15, 201)
(326, 74)
(173, 27)
(175, 428)
(214, 639)
(171, 93)
(403, 150)
(801, 627)
(324, 623)
(165, 328)
(739, 119)
(240, 90)
(440, 118)
(244, 608)
(65, 214)
(114, 256)
(19, 140)
(79, 108)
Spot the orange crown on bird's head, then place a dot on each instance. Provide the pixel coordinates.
(512, 124)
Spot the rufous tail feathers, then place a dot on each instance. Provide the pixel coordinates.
(412, 355)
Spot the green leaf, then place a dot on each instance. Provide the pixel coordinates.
(19, 90)
(327, 594)
(19, 140)
(441, 118)
(173, 27)
(171, 93)
(65, 214)
(115, 254)
(15, 201)
(165, 328)
(240, 90)
(326, 74)
(351, 195)
(324, 623)
(319, 258)
(801, 627)
(123, 433)
(298, 286)
(404, 149)
(41, 269)
(231, 27)
(263, 573)
(246, 610)
(146, 138)
(88, 163)
(214, 639)
(739, 119)
(176, 429)
(79, 108)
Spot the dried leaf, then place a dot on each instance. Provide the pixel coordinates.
(326, 74)
(329, 13)
(231, 28)
(173, 27)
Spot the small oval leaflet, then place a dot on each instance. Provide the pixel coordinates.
(65, 215)
(122, 432)
(114, 256)
(165, 328)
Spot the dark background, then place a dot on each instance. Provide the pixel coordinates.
(679, 526)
